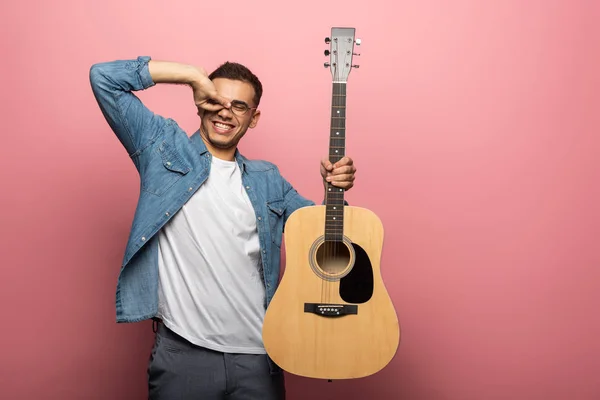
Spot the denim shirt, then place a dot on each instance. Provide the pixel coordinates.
(172, 166)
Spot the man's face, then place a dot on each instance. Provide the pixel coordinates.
(223, 129)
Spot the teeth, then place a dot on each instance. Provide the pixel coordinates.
(222, 126)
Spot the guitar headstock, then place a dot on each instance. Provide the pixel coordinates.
(341, 52)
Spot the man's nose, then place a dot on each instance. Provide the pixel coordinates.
(225, 113)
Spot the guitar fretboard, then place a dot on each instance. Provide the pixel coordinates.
(334, 197)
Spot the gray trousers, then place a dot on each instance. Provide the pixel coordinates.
(179, 370)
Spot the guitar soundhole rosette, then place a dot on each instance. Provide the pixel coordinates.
(332, 260)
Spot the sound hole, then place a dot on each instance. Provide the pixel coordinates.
(333, 257)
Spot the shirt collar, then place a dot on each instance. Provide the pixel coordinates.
(201, 148)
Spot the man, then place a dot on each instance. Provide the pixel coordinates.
(203, 255)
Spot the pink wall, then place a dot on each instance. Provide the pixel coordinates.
(475, 131)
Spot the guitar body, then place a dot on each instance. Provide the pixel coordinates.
(303, 332)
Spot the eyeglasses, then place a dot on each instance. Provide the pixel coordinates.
(238, 107)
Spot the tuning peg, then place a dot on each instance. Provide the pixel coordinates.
(327, 65)
(355, 66)
(356, 54)
(327, 52)
(358, 42)
(327, 40)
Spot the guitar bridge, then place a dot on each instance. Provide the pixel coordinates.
(330, 310)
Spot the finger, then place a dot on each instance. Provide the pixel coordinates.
(344, 185)
(214, 102)
(324, 172)
(209, 104)
(225, 102)
(336, 179)
(344, 161)
(344, 170)
(325, 163)
(210, 107)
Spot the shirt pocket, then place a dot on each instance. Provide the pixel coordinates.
(276, 210)
(164, 169)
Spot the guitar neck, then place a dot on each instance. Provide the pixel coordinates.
(334, 196)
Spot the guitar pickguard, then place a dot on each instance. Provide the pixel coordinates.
(357, 285)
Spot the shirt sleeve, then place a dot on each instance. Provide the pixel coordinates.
(293, 200)
(113, 84)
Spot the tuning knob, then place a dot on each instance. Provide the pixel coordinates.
(358, 42)
(355, 66)
(327, 40)
(327, 52)
(327, 65)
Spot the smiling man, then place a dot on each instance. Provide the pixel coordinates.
(203, 255)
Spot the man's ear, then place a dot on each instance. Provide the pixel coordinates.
(255, 118)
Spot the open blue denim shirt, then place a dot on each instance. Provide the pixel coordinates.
(172, 166)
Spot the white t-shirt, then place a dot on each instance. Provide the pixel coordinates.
(211, 288)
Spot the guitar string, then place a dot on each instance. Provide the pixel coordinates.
(334, 243)
(328, 224)
(331, 246)
(327, 260)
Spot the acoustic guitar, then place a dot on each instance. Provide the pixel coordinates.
(331, 316)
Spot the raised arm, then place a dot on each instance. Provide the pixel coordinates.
(114, 82)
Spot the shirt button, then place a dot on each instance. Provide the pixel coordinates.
(264, 251)
(168, 162)
(143, 238)
(247, 187)
(260, 218)
(190, 189)
(167, 214)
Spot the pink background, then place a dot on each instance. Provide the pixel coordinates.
(475, 131)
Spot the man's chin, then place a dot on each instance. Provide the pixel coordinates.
(221, 142)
